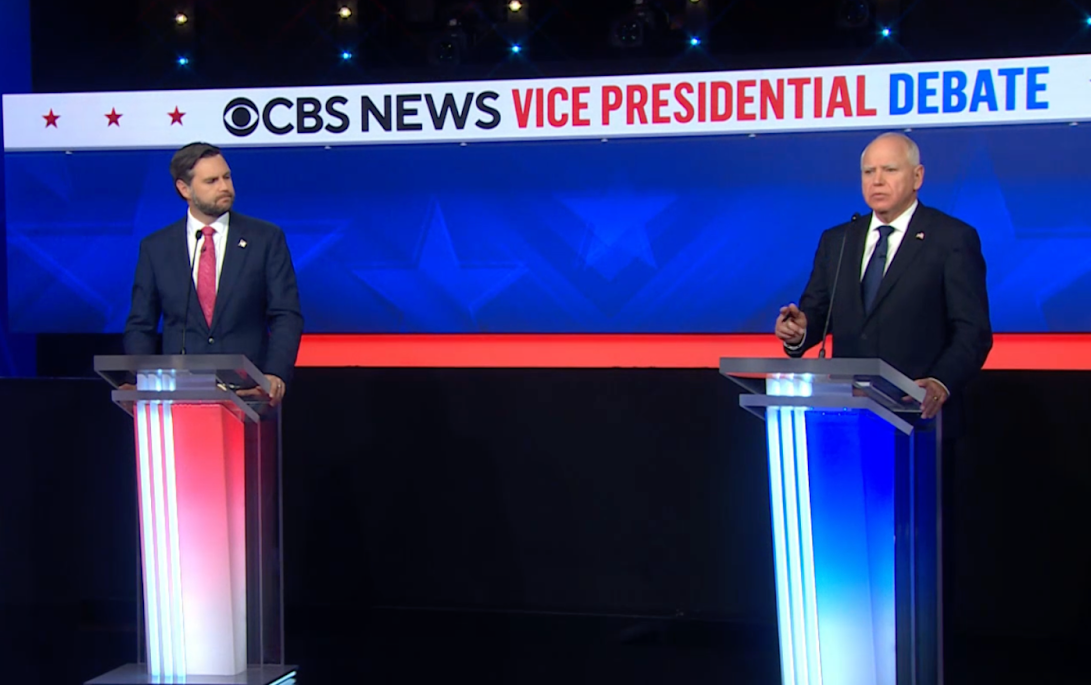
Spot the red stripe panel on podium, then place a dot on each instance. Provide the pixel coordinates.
(191, 469)
(1011, 351)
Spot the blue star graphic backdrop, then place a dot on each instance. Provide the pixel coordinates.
(683, 235)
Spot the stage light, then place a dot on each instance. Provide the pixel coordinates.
(447, 48)
(628, 33)
(515, 25)
(181, 18)
(649, 23)
(694, 21)
(694, 41)
(346, 55)
(183, 61)
(1088, 21)
(885, 33)
(853, 14)
(345, 12)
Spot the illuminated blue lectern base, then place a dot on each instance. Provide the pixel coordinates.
(854, 489)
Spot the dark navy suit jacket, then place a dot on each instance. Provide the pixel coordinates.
(257, 310)
(931, 316)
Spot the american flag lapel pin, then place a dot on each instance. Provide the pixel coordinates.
(920, 236)
(242, 243)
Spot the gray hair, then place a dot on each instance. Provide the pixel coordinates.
(912, 152)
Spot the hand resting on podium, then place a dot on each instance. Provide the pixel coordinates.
(127, 387)
(935, 396)
(276, 386)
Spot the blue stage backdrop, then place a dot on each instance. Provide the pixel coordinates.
(681, 235)
(16, 352)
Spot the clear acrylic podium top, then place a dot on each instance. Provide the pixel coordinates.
(213, 378)
(867, 384)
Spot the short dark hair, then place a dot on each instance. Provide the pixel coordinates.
(183, 161)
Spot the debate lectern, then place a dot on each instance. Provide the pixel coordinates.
(208, 491)
(854, 477)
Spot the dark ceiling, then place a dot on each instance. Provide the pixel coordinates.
(136, 44)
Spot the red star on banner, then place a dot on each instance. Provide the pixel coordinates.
(114, 117)
(176, 116)
(51, 118)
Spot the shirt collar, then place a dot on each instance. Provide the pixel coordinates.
(901, 224)
(220, 224)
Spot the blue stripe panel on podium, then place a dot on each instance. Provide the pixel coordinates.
(832, 497)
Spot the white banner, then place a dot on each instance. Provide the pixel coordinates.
(969, 93)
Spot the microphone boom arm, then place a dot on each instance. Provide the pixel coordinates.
(189, 289)
(833, 290)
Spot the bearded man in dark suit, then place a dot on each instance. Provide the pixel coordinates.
(222, 282)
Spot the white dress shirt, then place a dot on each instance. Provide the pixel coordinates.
(219, 241)
(900, 226)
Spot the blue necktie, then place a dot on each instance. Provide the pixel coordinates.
(873, 275)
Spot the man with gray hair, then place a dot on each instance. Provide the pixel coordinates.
(911, 287)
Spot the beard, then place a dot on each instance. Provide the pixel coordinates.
(221, 206)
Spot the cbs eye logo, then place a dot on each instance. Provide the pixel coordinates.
(241, 117)
(304, 115)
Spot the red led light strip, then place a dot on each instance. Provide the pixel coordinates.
(1011, 351)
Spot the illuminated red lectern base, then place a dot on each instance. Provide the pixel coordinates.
(208, 467)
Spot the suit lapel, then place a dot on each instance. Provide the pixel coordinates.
(234, 259)
(908, 250)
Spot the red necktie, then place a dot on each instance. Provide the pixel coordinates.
(206, 275)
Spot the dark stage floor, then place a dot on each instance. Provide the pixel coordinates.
(66, 645)
(531, 489)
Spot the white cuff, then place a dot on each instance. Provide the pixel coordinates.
(794, 348)
(945, 389)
